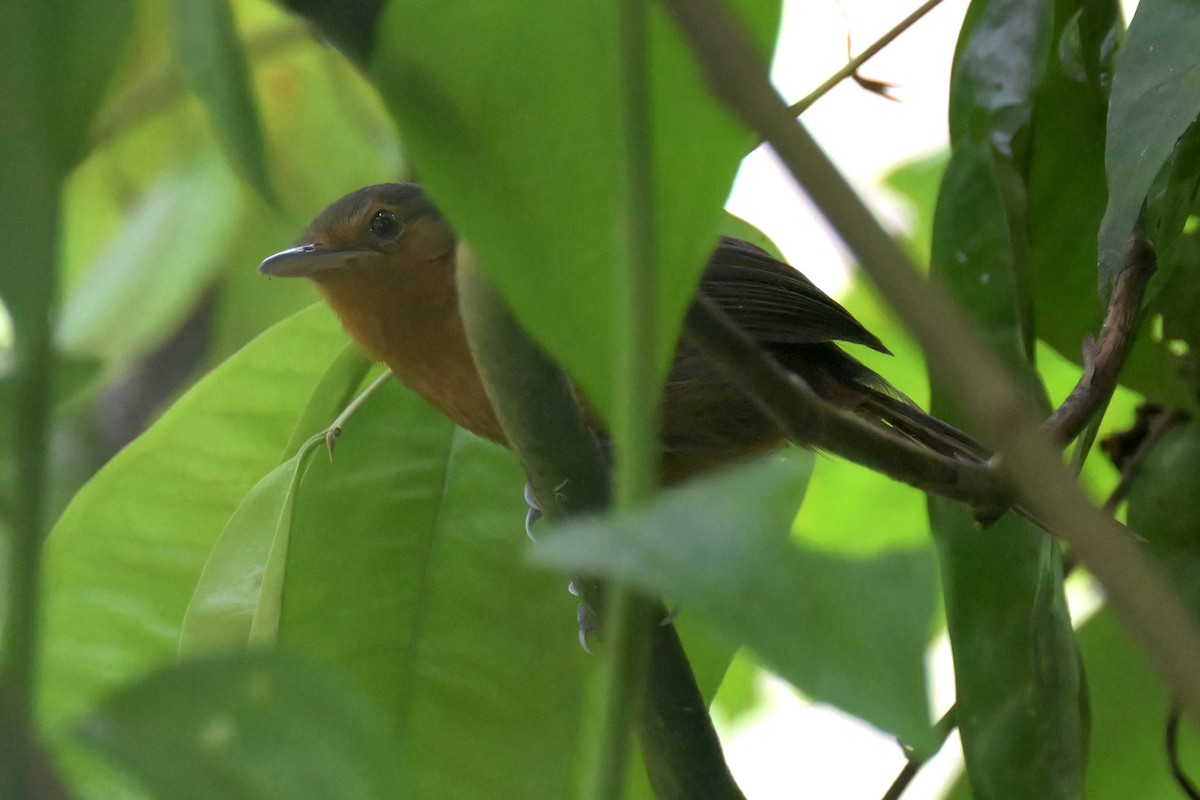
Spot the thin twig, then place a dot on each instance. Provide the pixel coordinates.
(851, 68)
(944, 727)
(1104, 356)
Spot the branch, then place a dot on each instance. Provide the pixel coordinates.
(1104, 357)
(1144, 602)
(851, 68)
(944, 727)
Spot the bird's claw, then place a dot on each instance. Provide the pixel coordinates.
(582, 615)
(533, 514)
(584, 619)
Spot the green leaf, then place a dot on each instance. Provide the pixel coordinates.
(1001, 58)
(122, 561)
(847, 631)
(250, 726)
(231, 587)
(1066, 174)
(1129, 716)
(210, 56)
(1155, 97)
(975, 251)
(154, 270)
(1129, 706)
(1017, 674)
(405, 568)
(533, 110)
(335, 391)
(238, 598)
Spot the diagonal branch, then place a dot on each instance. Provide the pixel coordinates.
(1104, 356)
(851, 68)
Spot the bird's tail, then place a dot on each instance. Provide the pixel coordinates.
(905, 417)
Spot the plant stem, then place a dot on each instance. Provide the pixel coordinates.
(619, 686)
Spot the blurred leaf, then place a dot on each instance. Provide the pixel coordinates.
(851, 632)
(58, 59)
(534, 108)
(917, 181)
(121, 564)
(249, 726)
(736, 226)
(1129, 703)
(739, 694)
(210, 57)
(1155, 97)
(151, 275)
(349, 24)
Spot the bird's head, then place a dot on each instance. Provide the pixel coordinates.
(384, 260)
(384, 229)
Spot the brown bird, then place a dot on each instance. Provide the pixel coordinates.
(384, 259)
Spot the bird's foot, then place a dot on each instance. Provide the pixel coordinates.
(582, 615)
(533, 514)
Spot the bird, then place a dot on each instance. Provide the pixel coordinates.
(384, 259)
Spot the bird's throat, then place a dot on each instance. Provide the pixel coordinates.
(417, 331)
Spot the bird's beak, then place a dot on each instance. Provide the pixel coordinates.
(306, 260)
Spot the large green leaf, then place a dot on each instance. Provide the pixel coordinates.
(1066, 173)
(1155, 97)
(404, 566)
(1129, 706)
(250, 726)
(1017, 673)
(233, 586)
(848, 631)
(122, 561)
(519, 138)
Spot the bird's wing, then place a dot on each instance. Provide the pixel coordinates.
(774, 302)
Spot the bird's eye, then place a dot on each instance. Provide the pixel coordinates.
(385, 225)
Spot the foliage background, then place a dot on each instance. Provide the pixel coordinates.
(422, 654)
